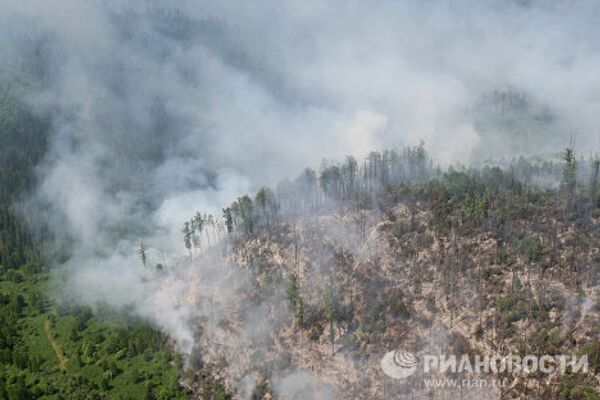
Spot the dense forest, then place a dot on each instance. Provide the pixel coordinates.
(56, 349)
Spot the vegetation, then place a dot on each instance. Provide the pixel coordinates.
(505, 256)
(502, 256)
(51, 350)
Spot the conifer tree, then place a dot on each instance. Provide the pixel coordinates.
(186, 231)
(142, 253)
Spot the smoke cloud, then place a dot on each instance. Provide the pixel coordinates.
(161, 109)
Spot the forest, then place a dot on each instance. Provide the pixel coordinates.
(496, 252)
(269, 200)
(53, 348)
(499, 261)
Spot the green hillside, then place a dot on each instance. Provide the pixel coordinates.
(51, 350)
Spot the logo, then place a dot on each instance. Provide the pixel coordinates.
(399, 364)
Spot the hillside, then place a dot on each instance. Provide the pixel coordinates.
(298, 292)
(53, 348)
(473, 261)
(283, 200)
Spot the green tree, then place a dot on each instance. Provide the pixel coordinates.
(568, 182)
(265, 200)
(186, 231)
(228, 217)
(295, 300)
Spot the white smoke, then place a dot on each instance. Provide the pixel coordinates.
(162, 109)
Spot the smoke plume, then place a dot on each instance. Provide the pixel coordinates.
(161, 109)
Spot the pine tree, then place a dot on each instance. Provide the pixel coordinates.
(594, 181)
(295, 300)
(186, 231)
(569, 170)
(228, 220)
(142, 253)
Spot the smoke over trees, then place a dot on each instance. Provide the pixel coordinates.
(135, 115)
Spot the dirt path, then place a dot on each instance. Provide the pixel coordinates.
(59, 353)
